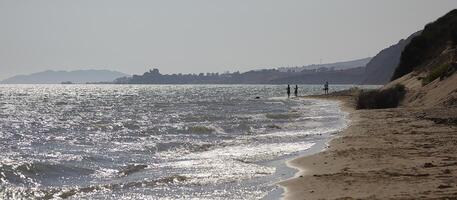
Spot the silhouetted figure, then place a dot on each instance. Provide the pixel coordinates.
(296, 91)
(288, 91)
(326, 87)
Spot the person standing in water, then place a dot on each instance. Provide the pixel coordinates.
(288, 91)
(296, 91)
(326, 87)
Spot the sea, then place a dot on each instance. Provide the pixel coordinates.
(157, 141)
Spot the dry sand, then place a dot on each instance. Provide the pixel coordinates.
(401, 153)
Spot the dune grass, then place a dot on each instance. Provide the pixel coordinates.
(441, 72)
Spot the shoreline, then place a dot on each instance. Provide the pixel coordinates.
(345, 106)
(320, 145)
(284, 168)
(399, 153)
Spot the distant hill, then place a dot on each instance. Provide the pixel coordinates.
(380, 69)
(344, 76)
(348, 72)
(337, 66)
(56, 77)
(266, 76)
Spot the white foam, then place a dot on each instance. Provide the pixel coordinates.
(230, 163)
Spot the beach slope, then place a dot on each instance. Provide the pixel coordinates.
(399, 153)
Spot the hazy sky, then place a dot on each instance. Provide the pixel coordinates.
(201, 35)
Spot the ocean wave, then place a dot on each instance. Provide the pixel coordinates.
(224, 164)
(290, 115)
(297, 133)
(255, 151)
(130, 169)
(12, 192)
(200, 129)
(33, 173)
(184, 148)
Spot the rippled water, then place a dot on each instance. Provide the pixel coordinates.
(135, 141)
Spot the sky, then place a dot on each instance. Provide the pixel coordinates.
(183, 36)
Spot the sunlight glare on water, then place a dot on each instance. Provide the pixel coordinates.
(154, 142)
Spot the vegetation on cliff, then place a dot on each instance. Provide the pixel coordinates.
(434, 39)
(442, 71)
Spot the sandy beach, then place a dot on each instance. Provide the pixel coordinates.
(400, 153)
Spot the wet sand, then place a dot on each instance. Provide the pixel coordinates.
(401, 153)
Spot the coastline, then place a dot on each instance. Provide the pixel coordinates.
(285, 171)
(320, 145)
(400, 153)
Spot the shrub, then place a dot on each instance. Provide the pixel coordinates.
(437, 72)
(378, 99)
